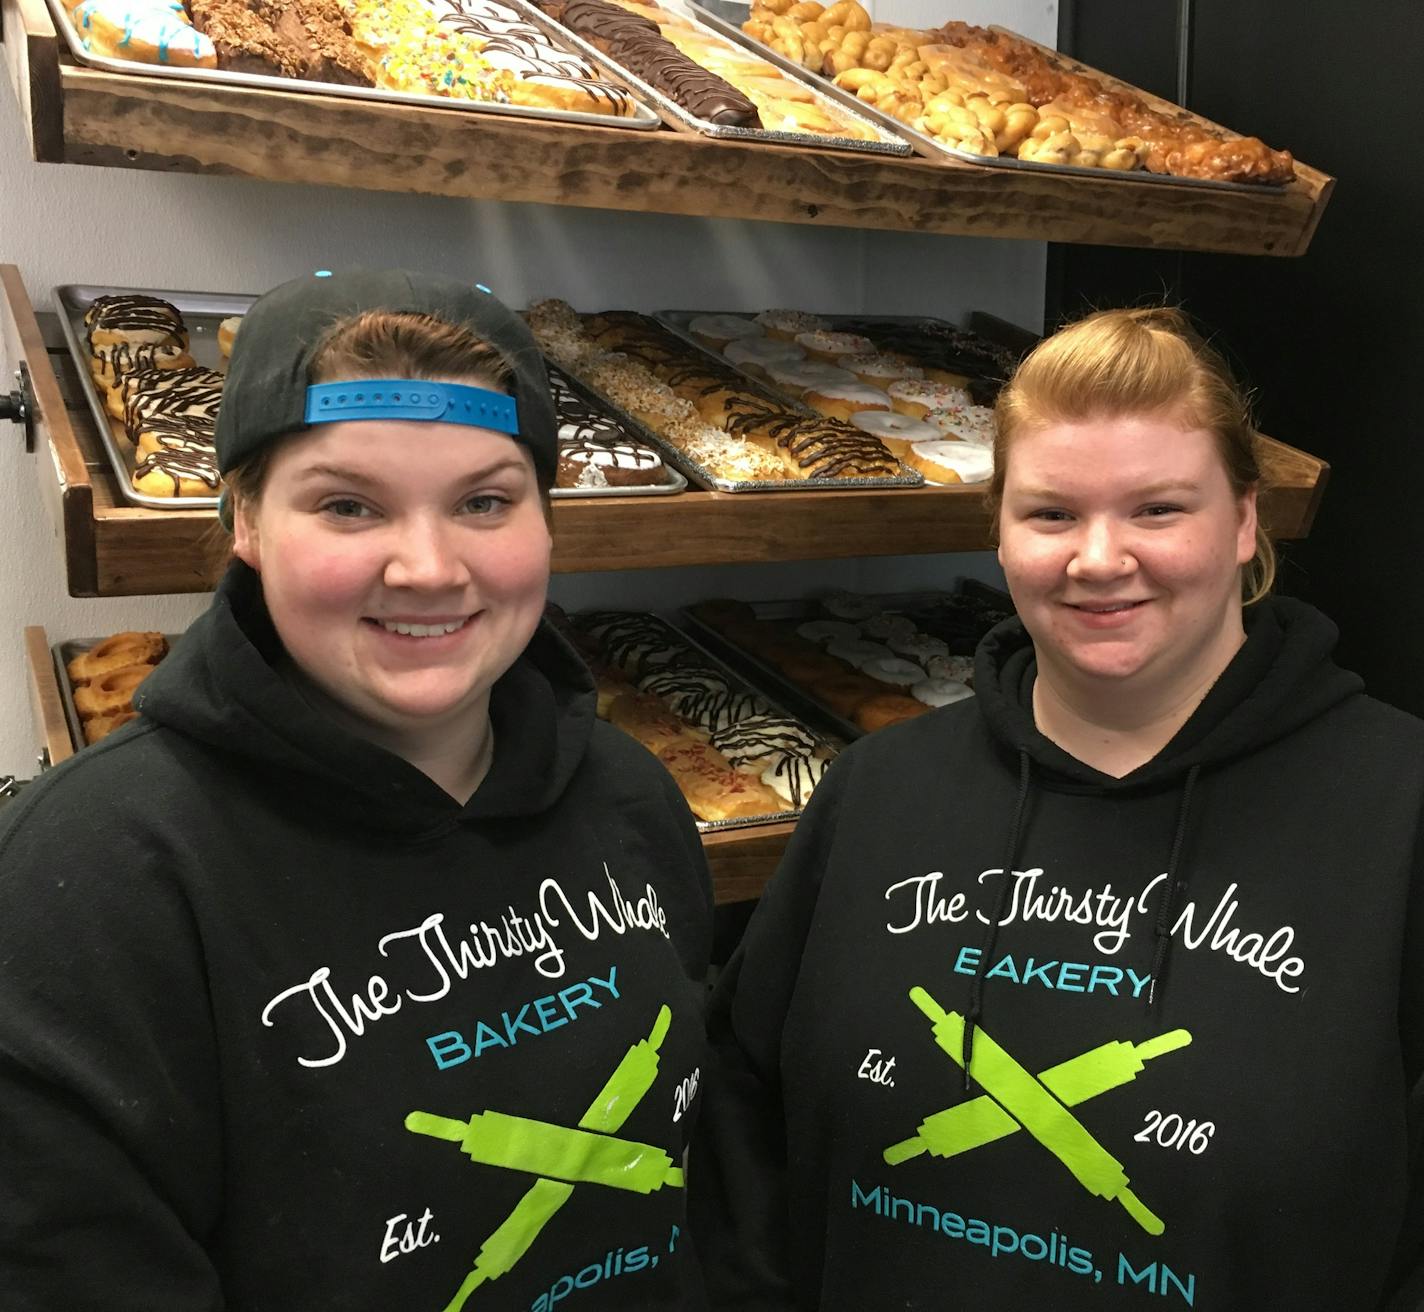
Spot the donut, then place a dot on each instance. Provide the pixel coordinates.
(895, 670)
(846, 400)
(958, 668)
(719, 329)
(968, 423)
(110, 365)
(101, 726)
(135, 319)
(800, 375)
(145, 31)
(786, 324)
(885, 627)
(807, 665)
(899, 432)
(823, 631)
(848, 606)
(918, 646)
(116, 652)
(886, 709)
(880, 370)
(227, 334)
(170, 473)
(757, 741)
(753, 354)
(833, 347)
(110, 692)
(793, 777)
(845, 692)
(951, 462)
(940, 692)
(917, 397)
(858, 651)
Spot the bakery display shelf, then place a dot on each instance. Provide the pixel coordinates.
(113, 549)
(80, 115)
(741, 860)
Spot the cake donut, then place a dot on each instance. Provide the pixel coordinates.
(719, 329)
(940, 692)
(823, 631)
(833, 347)
(846, 400)
(114, 653)
(787, 324)
(917, 397)
(894, 670)
(946, 461)
(145, 31)
(898, 431)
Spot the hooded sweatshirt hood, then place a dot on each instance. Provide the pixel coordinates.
(217, 687)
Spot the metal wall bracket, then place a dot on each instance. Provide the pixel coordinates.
(19, 406)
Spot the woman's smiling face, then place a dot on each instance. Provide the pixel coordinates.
(405, 566)
(1122, 544)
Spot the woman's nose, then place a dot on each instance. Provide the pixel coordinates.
(1102, 552)
(425, 553)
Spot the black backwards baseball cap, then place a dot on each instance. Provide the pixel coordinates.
(269, 393)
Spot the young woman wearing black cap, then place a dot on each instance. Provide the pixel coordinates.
(363, 970)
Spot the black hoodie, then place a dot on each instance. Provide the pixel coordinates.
(1214, 1116)
(283, 1026)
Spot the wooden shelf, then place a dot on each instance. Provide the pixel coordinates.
(111, 548)
(79, 115)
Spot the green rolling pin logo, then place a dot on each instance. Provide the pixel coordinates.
(1015, 1099)
(560, 1156)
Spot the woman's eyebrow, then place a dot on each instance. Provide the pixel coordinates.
(341, 474)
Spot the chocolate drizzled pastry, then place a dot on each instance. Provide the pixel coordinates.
(821, 448)
(191, 393)
(137, 319)
(178, 465)
(637, 44)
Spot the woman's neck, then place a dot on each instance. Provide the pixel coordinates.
(1113, 729)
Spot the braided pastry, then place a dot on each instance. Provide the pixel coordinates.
(110, 693)
(114, 653)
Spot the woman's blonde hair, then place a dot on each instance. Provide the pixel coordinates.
(1137, 362)
(383, 343)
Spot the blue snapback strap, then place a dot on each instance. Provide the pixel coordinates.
(412, 399)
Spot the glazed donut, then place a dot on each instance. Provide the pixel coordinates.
(110, 693)
(940, 692)
(116, 652)
(719, 329)
(894, 670)
(784, 325)
(898, 432)
(917, 397)
(755, 354)
(846, 400)
(101, 726)
(146, 31)
(947, 461)
(886, 709)
(227, 334)
(801, 375)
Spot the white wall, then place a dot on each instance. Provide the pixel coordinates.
(129, 228)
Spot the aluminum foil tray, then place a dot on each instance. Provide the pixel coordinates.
(887, 142)
(704, 477)
(739, 683)
(642, 118)
(930, 148)
(202, 312)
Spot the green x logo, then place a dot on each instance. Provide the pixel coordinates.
(1016, 1099)
(560, 1156)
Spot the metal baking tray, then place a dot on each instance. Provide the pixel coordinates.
(981, 382)
(704, 477)
(642, 118)
(797, 699)
(925, 145)
(887, 142)
(202, 312)
(739, 683)
(62, 653)
(676, 480)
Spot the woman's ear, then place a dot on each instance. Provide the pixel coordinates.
(246, 541)
(1246, 529)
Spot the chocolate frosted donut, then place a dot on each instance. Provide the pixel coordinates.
(637, 44)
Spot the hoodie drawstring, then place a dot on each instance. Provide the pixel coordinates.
(991, 933)
(1170, 889)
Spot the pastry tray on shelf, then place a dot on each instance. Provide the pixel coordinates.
(930, 148)
(675, 482)
(739, 682)
(798, 700)
(64, 652)
(886, 142)
(706, 478)
(641, 118)
(201, 311)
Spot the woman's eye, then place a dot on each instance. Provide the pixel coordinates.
(485, 503)
(1160, 510)
(1050, 515)
(345, 508)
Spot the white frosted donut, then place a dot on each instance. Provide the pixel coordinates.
(790, 322)
(848, 606)
(861, 396)
(919, 647)
(857, 651)
(892, 424)
(940, 692)
(916, 397)
(958, 668)
(761, 351)
(952, 462)
(723, 327)
(894, 669)
(969, 423)
(802, 375)
(823, 631)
